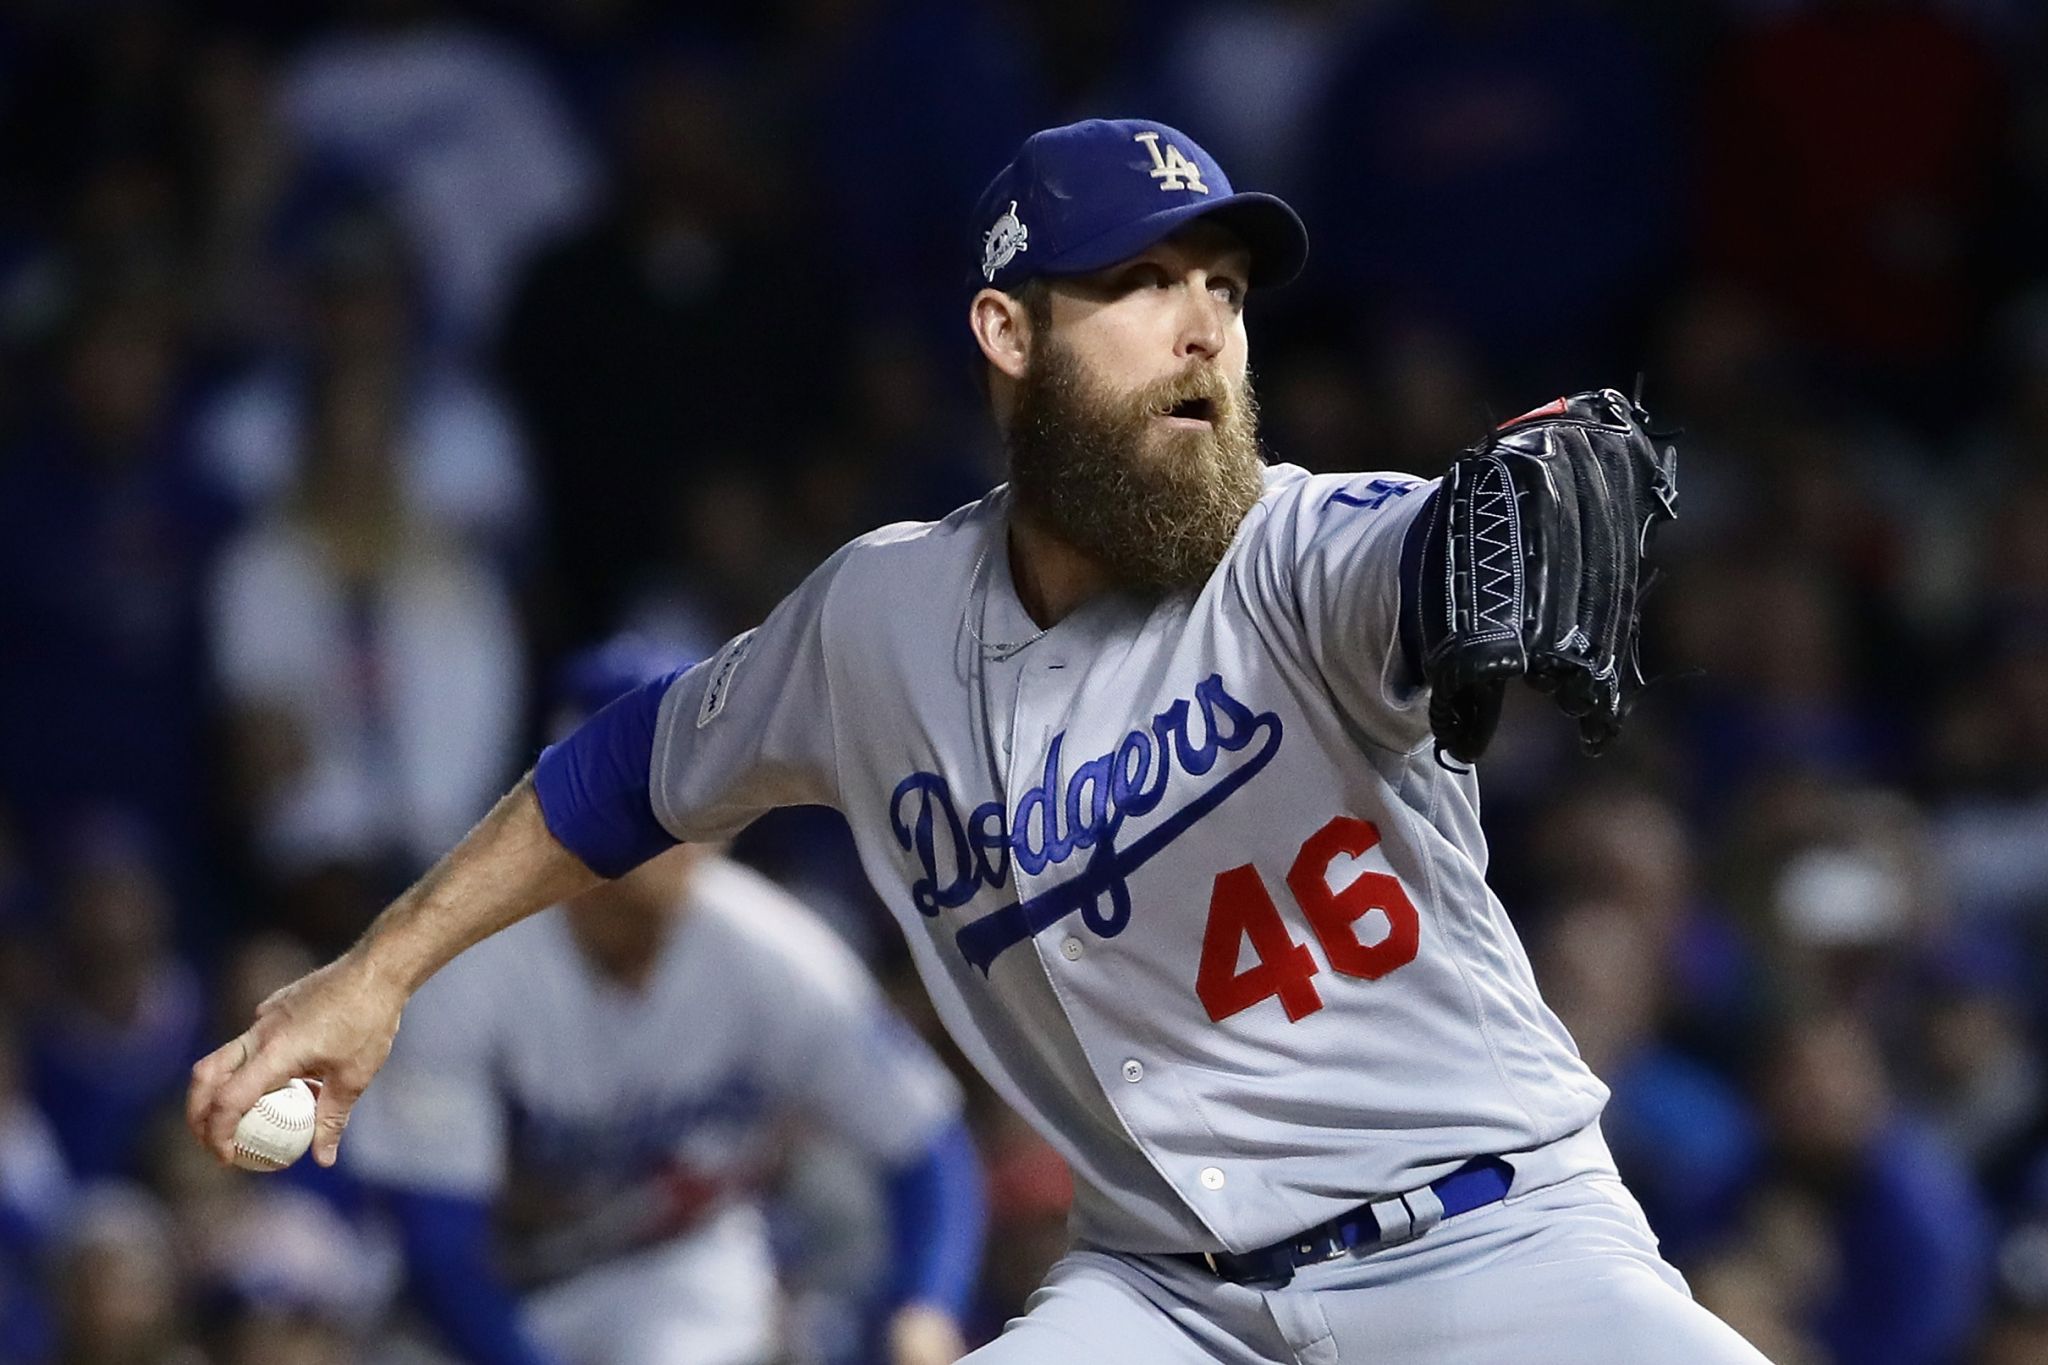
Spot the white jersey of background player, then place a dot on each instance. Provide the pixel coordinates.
(580, 1115)
(1134, 751)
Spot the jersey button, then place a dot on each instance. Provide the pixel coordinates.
(1212, 1178)
(1134, 1071)
(1071, 950)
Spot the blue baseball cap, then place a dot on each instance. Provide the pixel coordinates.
(1084, 196)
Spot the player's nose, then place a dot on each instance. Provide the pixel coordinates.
(1203, 328)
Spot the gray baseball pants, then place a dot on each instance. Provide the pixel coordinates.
(1566, 1273)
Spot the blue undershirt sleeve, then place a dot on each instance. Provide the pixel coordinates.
(938, 1215)
(593, 786)
(447, 1256)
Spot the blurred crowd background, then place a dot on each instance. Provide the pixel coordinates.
(361, 358)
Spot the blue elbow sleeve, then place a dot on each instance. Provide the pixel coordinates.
(938, 1214)
(593, 786)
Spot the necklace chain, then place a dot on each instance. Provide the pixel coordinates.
(998, 651)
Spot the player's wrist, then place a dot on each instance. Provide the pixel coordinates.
(412, 938)
(385, 963)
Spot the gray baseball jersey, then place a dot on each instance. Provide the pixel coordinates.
(1183, 876)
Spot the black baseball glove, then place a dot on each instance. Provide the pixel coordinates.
(1531, 564)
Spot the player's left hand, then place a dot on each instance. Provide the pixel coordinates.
(1532, 567)
(920, 1334)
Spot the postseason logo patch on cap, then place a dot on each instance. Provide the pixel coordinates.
(1001, 243)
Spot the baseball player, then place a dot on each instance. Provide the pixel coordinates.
(1163, 757)
(573, 1127)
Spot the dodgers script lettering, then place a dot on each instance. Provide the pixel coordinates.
(1084, 812)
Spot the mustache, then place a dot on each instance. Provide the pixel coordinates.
(1197, 383)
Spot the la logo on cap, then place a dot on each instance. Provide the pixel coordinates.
(1172, 170)
(1001, 243)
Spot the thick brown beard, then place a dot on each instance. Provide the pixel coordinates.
(1157, 507)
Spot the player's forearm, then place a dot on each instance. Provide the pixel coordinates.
(505, 869)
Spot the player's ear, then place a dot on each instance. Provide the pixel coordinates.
(1002, 328)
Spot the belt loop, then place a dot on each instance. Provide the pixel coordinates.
(1394, 1221)
(1425, 1209)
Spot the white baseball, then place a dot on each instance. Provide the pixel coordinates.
(277, 1131)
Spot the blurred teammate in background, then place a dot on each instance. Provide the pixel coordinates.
(575, 1128)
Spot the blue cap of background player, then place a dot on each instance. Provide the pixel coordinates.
(592, 678)
(1084, 196)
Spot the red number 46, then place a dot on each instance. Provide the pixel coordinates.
(1240, 909)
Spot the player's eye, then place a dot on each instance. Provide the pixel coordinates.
(1146, 276)
(1229, 290)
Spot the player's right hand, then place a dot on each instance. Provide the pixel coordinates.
(334, 1025)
